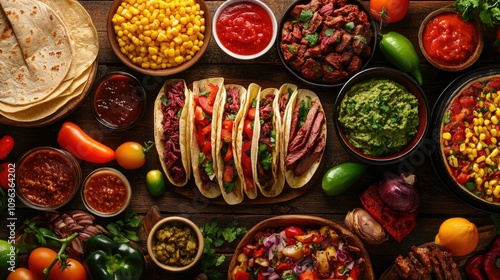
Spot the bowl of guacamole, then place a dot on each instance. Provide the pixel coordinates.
(381, 115)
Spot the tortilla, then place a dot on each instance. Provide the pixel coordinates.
(237, 195)
(278, 178)
(37, 54)
(292, 180)
(252, 92)
(212, 189)
(184, 137)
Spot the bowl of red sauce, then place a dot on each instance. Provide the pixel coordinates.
(467, 156)
(106, 192)
(47, 178)
(448, 42)
(118, 100)
(244, 29)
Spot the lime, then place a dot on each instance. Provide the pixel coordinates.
(339, 178)
(155, 182)
(8, 258)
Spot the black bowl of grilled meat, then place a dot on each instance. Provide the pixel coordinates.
(325, 42)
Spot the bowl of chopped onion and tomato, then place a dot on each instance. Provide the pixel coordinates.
(159, 38)
(467, 156)
(300, 246)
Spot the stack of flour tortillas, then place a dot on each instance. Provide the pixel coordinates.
(47, 50)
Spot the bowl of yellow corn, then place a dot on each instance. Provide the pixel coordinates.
(159, 37)
(467, 129)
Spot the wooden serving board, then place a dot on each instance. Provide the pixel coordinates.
(62, 112)
(486, 236)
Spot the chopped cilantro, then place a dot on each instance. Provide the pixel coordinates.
(304, 107)
(164, 100)
(360, 38)
(348, 27)
(312, 39)
(305, 16)
(292, 48)
(328, 32)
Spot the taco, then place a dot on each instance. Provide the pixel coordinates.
(243, 142)
(285, 94)
(170, 131)
(203, 119)
(229, 112)
(304, 137)
(266, 144)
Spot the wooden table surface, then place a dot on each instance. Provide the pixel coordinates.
(437, 202)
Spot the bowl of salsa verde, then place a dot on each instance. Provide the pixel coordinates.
(467, 160)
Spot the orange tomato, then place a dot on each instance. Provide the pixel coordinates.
(21, 273)
(73, 270)
(39, 259)
(389, 11)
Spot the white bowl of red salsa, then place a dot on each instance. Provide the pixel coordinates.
(244, 29)
(468, 157)
(47, 178)
(106, 192)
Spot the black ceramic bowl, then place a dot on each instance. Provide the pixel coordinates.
(365, 59)
(439, 117)
(423, 113)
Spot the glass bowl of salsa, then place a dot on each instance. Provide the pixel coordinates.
(448, 42)
(118, 100)
(467, 132)
(47, 178)
(381, 116)
(244, 29)
(106, 192)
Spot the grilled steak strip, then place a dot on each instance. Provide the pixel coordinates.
(300, 138)
(311, 135)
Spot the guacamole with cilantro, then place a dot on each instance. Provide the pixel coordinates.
(379, 116)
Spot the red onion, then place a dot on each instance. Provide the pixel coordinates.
(400, 194)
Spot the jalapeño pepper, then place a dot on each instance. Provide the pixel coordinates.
(399, 51)
(106, 259)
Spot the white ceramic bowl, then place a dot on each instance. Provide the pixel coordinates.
(229, 52)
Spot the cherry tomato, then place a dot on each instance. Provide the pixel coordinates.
(155, 182)
(73, 270)
(132, 155)
(6, 146)
(389, 11)
(22, 273)
(4, 175)
(292, 231)
(39, 259)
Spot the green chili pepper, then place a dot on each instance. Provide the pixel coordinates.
(400, 52)
(107, 259)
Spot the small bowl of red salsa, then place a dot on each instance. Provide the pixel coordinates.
(47, 178)
(119, 100)
(244, 29)
(106, 192)
(467, 118)
(448, 42)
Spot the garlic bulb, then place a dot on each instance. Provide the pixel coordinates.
(365, 226)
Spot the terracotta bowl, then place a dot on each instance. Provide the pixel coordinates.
(182, 222)
(451, 67)
(158, 72)
(423, 112)
(305, 221)
(440, 117)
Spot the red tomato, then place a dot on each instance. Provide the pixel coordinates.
(242, 275)
(73, 270)
(213, 90)
(283, 267)
(246, 163)
(228, 125)
(6, 146)
(309, 275)
(389, 11)
(355, 272)
(131, 155)
(247, 144)
(39, 259)
(248, 128)
(205, 105)
(226, 135)
(4, 174)
(228, 173)
(22, 273)
(292, 231)
(199, 116)
(251, 114)
(462, 178)
(206, 148)
(229, 154)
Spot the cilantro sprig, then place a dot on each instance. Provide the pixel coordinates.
(488, 11)
(125, 229)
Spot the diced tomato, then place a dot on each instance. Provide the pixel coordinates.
(317, 239)
(308, 275)
(251, 114)
(205, 104)
(207, 147)
(248, 128)
(228, 173)
(355, 272)
(242, 275)
(462, 178)
(249, 184)
(292, 231)
(467, 101)
(226, 135)
(259, 252)
(229, 154)
(247, 144)
(198, 114)
(261, 276)
(228, 125)
(202, 134)
(247, 251)
(283, 267)
(213, 92)
(246, 163)
(195, 99)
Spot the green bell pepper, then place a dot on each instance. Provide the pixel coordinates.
(106, 259)
(399, 51)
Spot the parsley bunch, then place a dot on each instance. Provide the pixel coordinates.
(215, 236)
(125, 230)
(488, 11)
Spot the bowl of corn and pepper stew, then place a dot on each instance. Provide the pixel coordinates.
(467, 155)
(159, 37)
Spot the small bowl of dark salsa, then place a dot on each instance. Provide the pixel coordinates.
(118, 101)
(175, 244)
(106, 192)
(324, 45)
(381, 116)
(47, 178)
